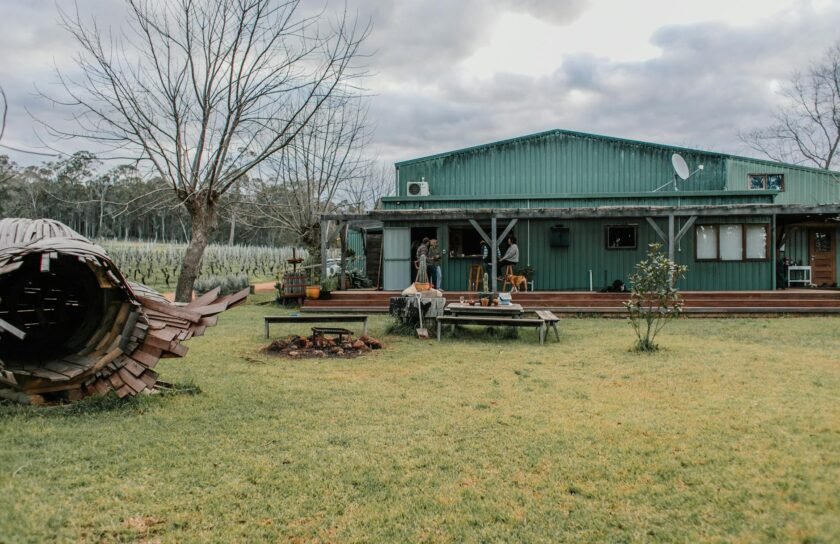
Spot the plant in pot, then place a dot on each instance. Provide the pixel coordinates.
(421, 282)
(524, 270)
(313, 287)
(328, 286)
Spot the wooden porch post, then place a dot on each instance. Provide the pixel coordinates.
(343, 236)
(671, 237)
(773, 251)
(480, 231)
(325, 227)
(656, 229)
(671, 243)
(494, 248)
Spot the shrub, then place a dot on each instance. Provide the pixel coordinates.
(228, 284)
(653, 298)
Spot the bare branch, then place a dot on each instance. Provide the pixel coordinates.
(205, 92)
(807, 126)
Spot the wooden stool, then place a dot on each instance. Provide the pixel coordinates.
(507, 273)
(476, 273)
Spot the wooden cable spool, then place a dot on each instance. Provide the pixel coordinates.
(72, 326)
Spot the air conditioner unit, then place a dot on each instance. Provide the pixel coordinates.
(417, 188)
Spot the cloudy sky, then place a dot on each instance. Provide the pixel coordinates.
(450, 74)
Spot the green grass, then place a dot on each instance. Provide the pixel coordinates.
(731, 433)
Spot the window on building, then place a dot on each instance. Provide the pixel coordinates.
(621, 236)
(774, 182)
(756, 241)
(465, 240)
(707, 243)
(731, 242)
(731, 239)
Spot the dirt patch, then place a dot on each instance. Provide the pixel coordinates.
(320, 346)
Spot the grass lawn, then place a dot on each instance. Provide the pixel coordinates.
(730, 434)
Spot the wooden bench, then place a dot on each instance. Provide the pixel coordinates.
(550, 320)
(316, 319)
(490, 322)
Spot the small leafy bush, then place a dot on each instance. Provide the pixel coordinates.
(653, 298)
(228, 284)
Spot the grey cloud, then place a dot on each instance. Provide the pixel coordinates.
(33, 45)
(557, 12)
(710, 82)
(422, 40)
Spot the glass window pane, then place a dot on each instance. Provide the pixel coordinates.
(731, 243)
(621, 237)
(756, 182)
(774, 182)
(756, 242)
(707, 244)
(822, 242)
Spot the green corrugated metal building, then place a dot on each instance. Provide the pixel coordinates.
(584, 208)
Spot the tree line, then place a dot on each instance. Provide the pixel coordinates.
(120, 202)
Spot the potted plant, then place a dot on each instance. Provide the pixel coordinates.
(421, 282)
(313, 292)
(328, 286)
(313, 288)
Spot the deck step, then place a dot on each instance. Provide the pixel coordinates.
(790, 301)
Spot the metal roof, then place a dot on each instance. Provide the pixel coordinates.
(592, 136)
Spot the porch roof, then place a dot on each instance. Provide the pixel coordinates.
(462, 214)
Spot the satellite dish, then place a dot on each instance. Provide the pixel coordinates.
(680, 166)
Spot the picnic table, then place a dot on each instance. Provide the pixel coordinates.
(509, 315)
(503, 310)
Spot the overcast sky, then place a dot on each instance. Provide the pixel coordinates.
(450, 74)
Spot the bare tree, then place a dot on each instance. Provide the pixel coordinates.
(303, 180)
(204, 91)
(5, 110)
(365, 192)
(807, 126)
(6, 168)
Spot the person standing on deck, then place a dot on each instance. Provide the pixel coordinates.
(511, 256)
(485, 256)
(423, 251)
(436, 277)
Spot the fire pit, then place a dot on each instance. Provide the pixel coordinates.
(319, 346)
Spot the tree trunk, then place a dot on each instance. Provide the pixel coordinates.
(203, 219)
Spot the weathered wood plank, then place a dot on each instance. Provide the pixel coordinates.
(175, 311)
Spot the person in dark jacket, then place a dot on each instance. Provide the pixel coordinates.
(434, 259)
(423, 251)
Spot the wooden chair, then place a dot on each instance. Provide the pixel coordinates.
(476, 273)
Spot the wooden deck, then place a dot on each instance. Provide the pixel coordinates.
(699, 303)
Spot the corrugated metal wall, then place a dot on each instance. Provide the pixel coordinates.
(802, 186)
(582, 201)
(356, 242)
(560, 162)
(568, 268)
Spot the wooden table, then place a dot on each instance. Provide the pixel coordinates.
(506, 310)
(316, 319)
